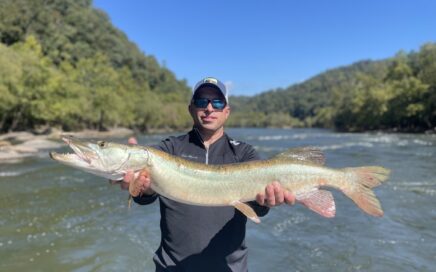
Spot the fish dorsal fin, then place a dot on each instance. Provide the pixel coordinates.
(302, 154)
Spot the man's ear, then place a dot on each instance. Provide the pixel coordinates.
(190, 110)
(227, 111)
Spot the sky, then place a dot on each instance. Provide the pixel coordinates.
(258, 45)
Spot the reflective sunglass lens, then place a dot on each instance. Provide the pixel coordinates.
(203, 102)
(218, 104)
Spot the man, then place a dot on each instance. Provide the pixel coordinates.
(196, 238)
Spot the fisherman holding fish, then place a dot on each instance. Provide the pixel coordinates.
(209, 184)
(199, 238)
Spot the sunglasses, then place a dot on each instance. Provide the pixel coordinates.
(201, 103)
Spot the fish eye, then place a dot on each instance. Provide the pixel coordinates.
(101, 143)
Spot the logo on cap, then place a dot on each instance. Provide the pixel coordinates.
(210, 80)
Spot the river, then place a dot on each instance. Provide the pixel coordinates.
(55, 218)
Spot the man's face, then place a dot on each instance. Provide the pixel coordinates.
(209, 118)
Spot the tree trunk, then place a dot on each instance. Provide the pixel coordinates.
(16, 119)
(100, 123)
(2, 122)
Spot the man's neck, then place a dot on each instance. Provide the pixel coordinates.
(209, 137)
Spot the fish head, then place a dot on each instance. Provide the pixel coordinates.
(105, 159)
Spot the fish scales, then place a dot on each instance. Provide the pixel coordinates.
(299, 170)
(220, 185)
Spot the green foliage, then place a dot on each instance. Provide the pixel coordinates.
(27, 77)
(260, 119)
(63, 64)
(396, 94)
(426, 71)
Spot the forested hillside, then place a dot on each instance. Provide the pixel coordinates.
(396, 94)
(62, 63)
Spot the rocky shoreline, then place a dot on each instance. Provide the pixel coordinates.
(16, 146)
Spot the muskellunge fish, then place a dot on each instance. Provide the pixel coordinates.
(299, 170)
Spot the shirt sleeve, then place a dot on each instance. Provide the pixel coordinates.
(250, 154)
(166, 146)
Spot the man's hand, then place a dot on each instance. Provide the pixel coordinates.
(140, 184)
(275, 195)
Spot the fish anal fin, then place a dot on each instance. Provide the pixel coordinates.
(246, 210)
(319, 201)
(302, 154)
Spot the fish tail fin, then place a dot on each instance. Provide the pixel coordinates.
(363, 180)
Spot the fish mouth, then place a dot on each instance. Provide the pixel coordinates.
(83, 152)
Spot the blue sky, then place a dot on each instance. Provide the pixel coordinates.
(254, 46)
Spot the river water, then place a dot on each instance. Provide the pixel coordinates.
(55, 218)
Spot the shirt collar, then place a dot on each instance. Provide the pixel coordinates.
(195, 137)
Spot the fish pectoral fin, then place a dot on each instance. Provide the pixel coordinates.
(246, 210)
(319, 201)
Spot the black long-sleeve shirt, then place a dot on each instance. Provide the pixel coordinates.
(197, 238)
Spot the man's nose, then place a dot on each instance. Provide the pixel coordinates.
(209, 106)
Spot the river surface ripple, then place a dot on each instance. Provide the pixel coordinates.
(55, 218)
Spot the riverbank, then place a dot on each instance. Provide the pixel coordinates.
(16, 146)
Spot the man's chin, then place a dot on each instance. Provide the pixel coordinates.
(211, 126)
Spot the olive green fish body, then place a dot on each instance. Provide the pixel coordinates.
(196, 183)
(298, 170)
